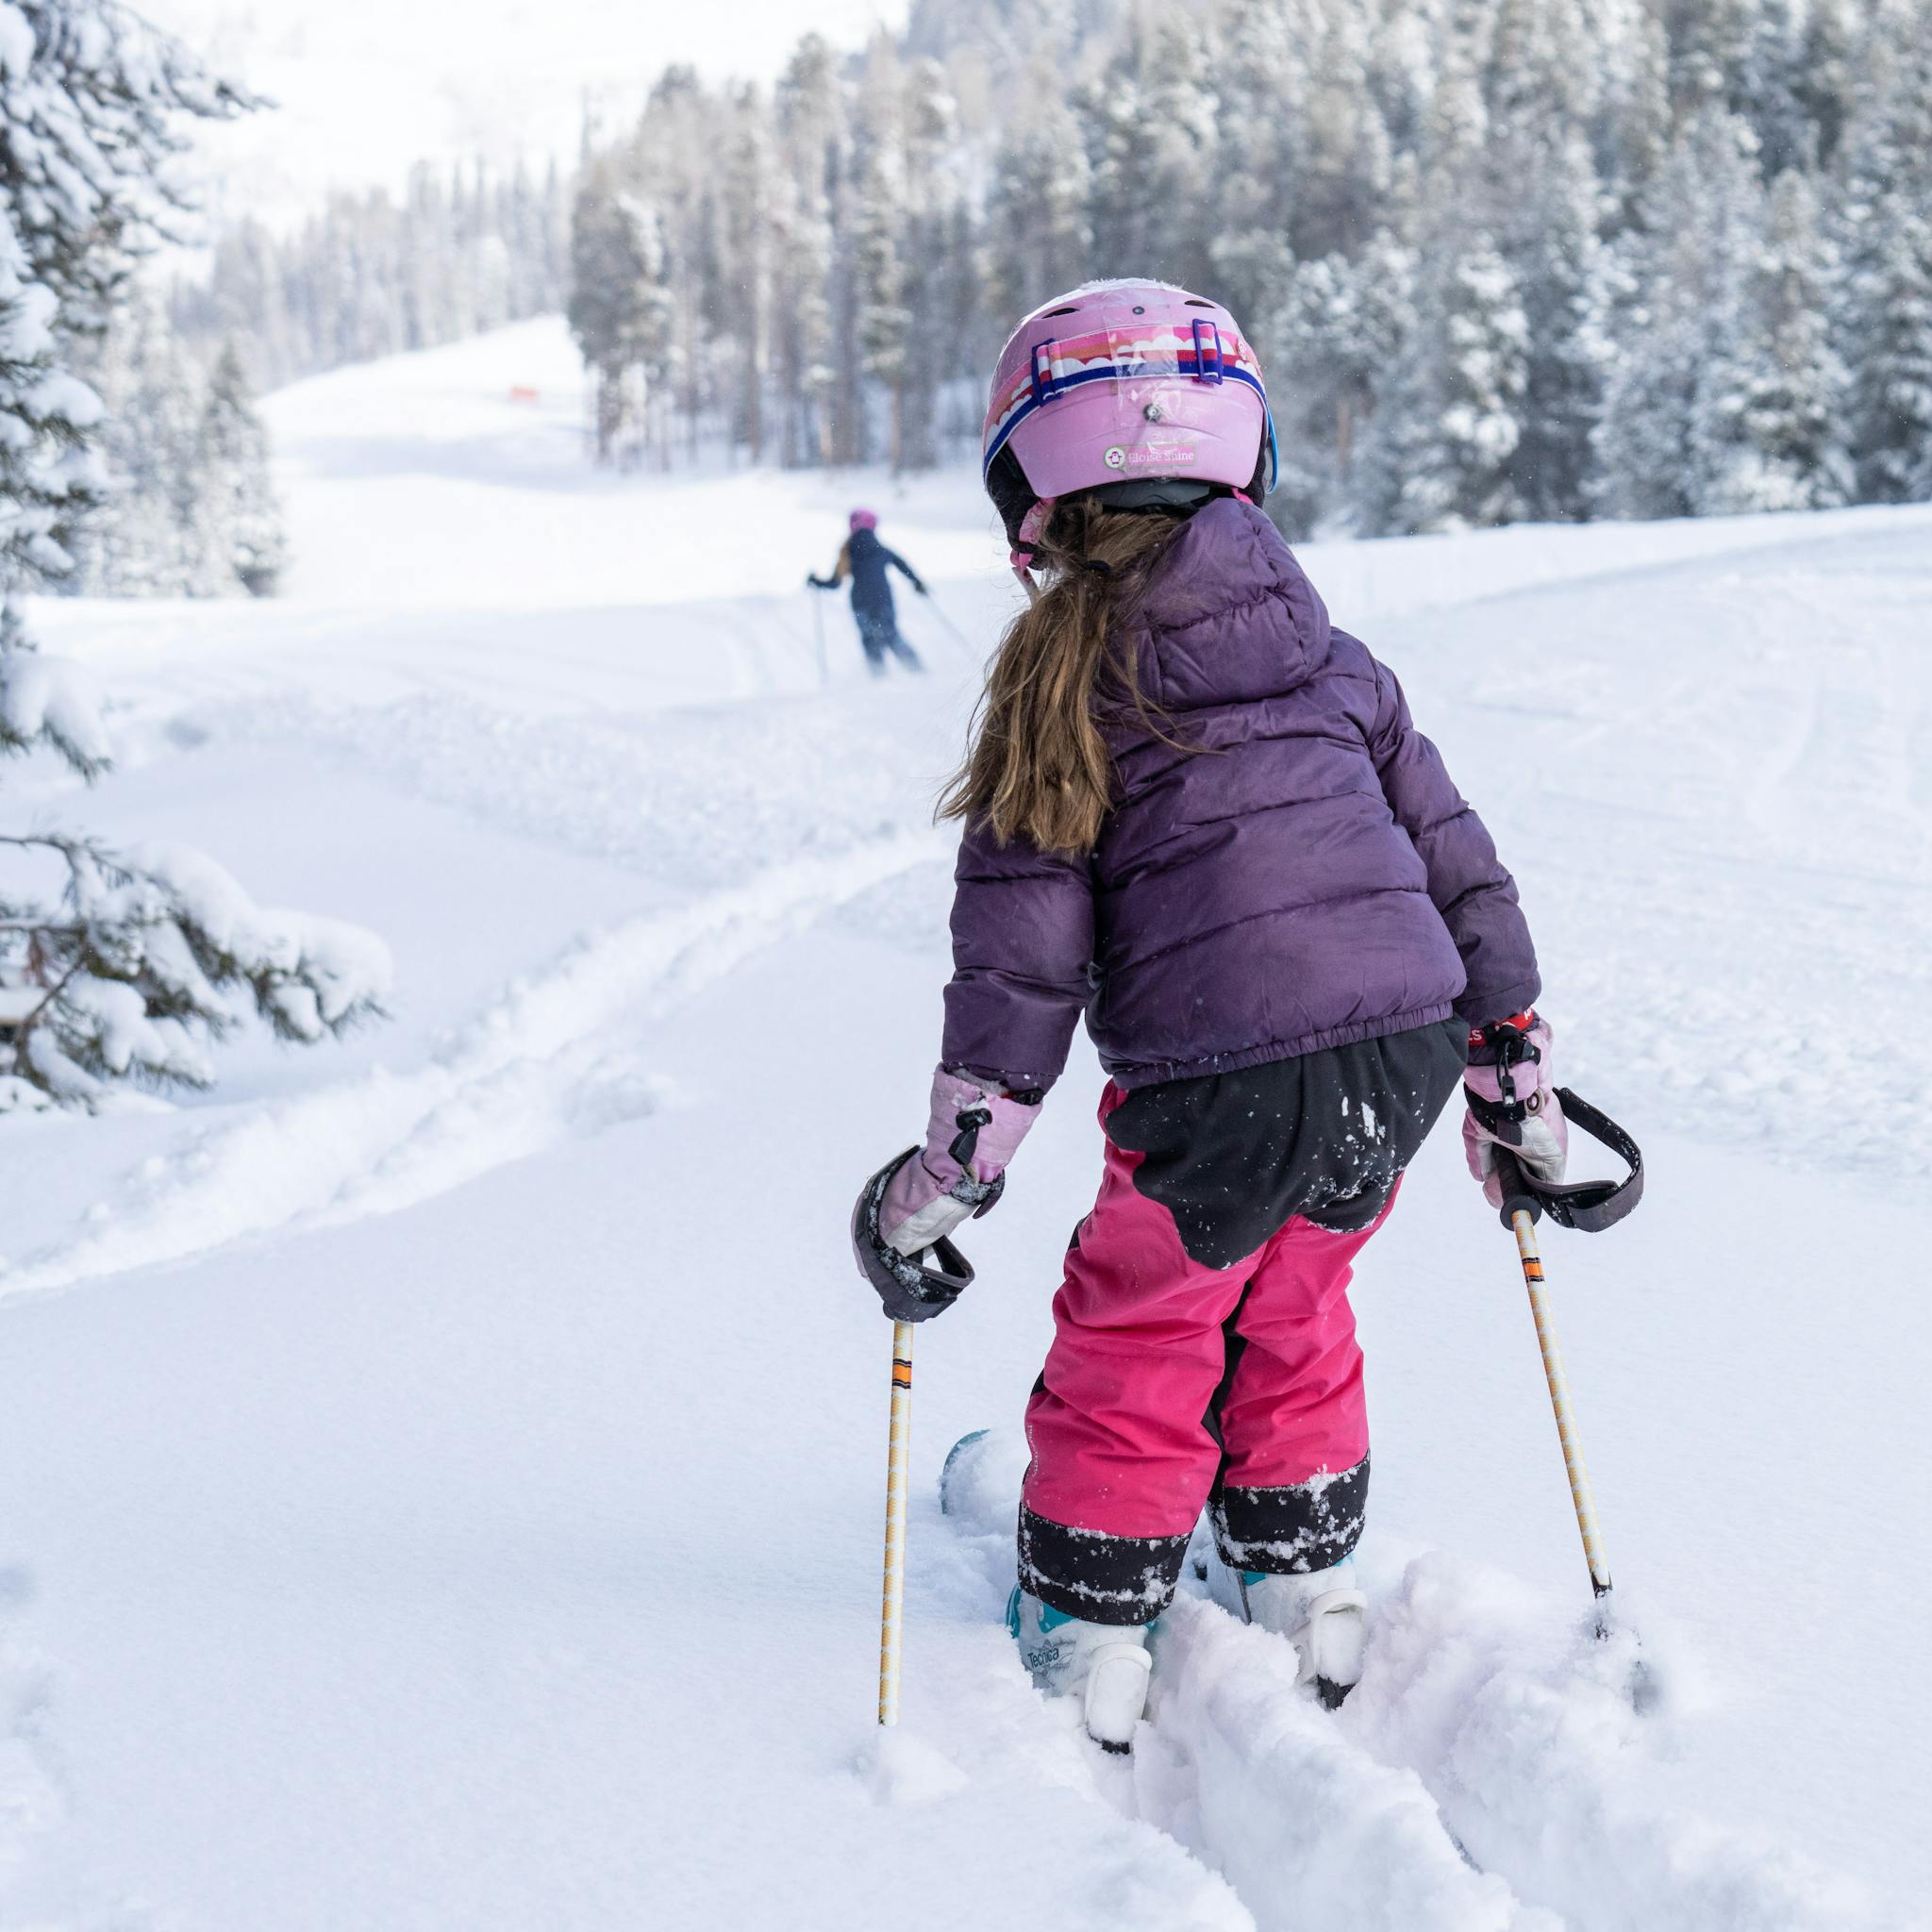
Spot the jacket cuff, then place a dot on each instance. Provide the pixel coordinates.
(1484, 1006)
(1015, 1081)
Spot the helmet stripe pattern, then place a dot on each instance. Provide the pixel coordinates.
(1212, 355)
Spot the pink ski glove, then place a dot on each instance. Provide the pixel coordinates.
(974, 1131)
(1513, 1104)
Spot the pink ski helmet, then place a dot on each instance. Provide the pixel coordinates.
(865, 519)
(1114, 384)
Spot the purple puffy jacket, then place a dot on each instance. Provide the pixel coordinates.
(1311, 877)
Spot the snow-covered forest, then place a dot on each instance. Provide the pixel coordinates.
(188, 507)
(370, 274)
(1505, 259)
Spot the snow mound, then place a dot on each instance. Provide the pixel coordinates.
(1491, 1774)
(897, 1768)
(1524, 1733)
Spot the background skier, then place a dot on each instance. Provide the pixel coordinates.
(1197, 811)
(864, 560)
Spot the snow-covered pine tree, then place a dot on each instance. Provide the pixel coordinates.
(112, 965)
(1541, 185)
(1463, 404)
(1340, 327)
(125, 965)
(1150, 148)
(670, 168)
(1767, 427)
(1448, 427)
(1685, 346)
(1260, 143)
(749, 190)
(935, 328)
(620, 304)
(1038, 239)
(1710, 46)
(1823, 83)
(1346, 156)
(1632, 134)
(1884, 311)
(245, 543)
(1774, 79)
(882, 316)
(811, 137)
(148, 535)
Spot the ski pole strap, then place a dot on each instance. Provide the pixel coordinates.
(1589, 1206)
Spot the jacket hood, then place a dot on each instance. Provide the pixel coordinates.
(1229, 616)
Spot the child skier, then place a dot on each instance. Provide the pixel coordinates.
(1200, 814)
(864, 560)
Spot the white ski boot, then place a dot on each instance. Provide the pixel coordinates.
(1105, 1665)
(1322, 1614)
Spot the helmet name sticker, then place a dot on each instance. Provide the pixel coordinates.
(1118, 457)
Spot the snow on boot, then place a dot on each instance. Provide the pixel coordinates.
(1322, 1614)
(1105, 1665)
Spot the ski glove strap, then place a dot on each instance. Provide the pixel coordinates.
(910, 1288)
(1513, 1107)
(1590, 1206)
(902, 1227)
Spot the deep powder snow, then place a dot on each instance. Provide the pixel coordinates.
(441, 1478)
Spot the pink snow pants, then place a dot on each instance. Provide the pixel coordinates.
(1117, 1424)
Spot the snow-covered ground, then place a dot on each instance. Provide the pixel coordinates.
(441, 1478)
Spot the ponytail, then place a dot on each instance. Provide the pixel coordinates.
(1037, 764)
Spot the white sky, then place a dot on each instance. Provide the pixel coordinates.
(366, 87)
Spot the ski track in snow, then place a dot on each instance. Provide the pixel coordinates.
(1488, 1775)
(554, 1055)
(1524, 1733)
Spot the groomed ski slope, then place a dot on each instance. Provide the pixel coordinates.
(441, 1478)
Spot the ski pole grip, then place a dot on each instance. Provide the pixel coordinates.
(1518, 1196)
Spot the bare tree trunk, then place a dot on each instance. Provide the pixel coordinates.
(610, 412)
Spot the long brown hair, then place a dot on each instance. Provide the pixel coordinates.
(1036, 765)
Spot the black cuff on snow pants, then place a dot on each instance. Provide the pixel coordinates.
(1101, 1578)
(1130, 1579)
(1288, 1532)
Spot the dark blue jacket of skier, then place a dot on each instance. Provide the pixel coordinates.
(866, 561)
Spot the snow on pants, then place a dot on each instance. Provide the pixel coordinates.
(1204, 1349)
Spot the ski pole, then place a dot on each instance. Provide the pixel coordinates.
(894, 1600)
(818, 624)
(958, 635)
(1521, 1209)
